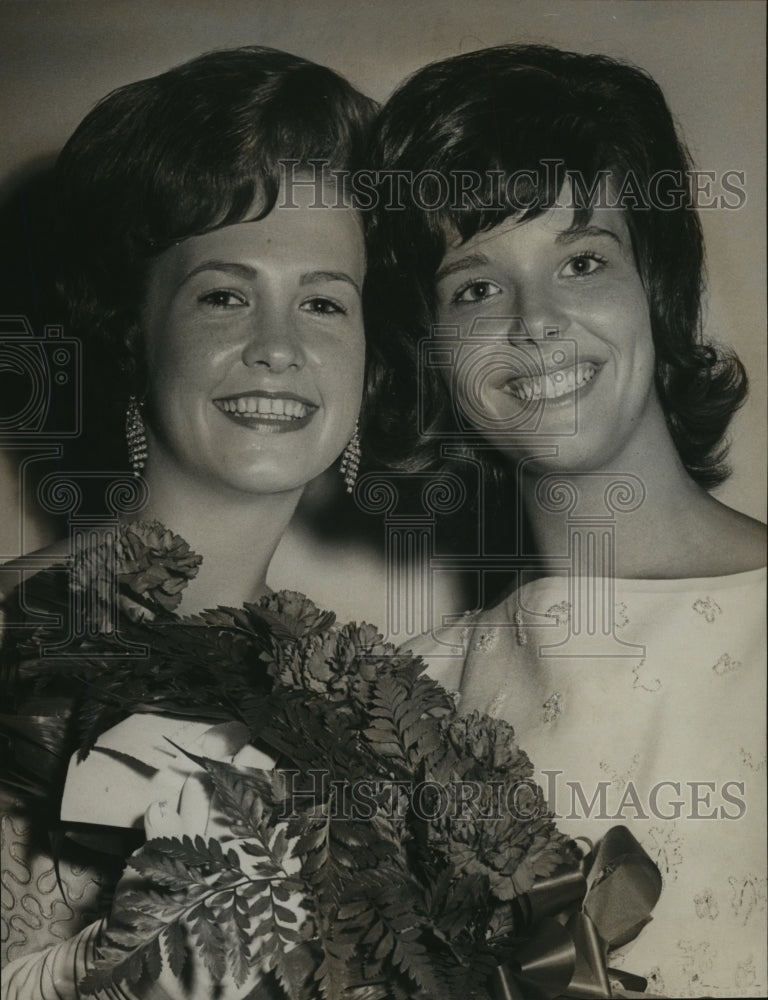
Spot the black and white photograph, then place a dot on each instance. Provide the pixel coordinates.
(383, 499)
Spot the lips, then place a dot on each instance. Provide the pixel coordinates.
(270, 411)
(553, 384)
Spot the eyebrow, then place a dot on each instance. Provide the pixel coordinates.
(248, 273)
(462, 264)
(237, 270)
(585, 232)
(316, 277)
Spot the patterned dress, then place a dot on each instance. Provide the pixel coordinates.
(38, 908)
(56, 879)
(642, 703)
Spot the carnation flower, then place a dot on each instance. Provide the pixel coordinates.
(340, 663)
(145, 569)
(492, 744)
(495, 822)
(155, 565)
(292, 615)
(312, 654)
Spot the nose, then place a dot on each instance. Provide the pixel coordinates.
(273, 342)
(539, 313)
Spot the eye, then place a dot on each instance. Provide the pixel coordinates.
(223, 298)
(476, 291)
(583, 265)
(322, 306)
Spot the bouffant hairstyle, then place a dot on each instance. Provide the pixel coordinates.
(520, 119)
(201, 146)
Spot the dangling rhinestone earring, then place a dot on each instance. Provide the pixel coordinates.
(136, 436)
(350, 460)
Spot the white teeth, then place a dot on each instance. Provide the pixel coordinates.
(554, 384)
(265, 407)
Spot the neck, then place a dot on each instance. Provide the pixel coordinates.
(235, 533)
(656, 517)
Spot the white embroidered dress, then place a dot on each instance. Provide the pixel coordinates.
(668, 738)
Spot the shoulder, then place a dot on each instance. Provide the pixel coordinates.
(444, 652)
(741, 540)
(705, 538)
(754, 535)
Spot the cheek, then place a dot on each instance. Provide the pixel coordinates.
(644, 345)
(346, 369)
(163, 348)
(623, 320)
(180, 359)
(473, 376)
(357, 372)
(456, 383)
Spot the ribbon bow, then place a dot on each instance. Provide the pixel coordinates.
(599, 909)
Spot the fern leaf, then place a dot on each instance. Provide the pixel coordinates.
(210, 941)
(175, 940)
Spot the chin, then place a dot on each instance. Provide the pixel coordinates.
(263, 483)
(569, 460)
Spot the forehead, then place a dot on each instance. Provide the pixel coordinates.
(298, 238)
(560, 225)
(569, 214)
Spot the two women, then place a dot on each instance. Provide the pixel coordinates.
(574, 354)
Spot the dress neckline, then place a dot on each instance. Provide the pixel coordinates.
(745, 578)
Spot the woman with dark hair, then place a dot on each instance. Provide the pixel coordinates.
(213, 270)
(538, 291)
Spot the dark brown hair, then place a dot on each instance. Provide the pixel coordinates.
(538, 112)
(173, 156)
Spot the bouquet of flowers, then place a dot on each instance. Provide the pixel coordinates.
(393, 852)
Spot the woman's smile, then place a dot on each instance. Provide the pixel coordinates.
(553, 385)
(267, 412)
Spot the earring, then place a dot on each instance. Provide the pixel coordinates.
(350, 459)
(135, 436)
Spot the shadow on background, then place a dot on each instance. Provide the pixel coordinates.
(27, 293)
